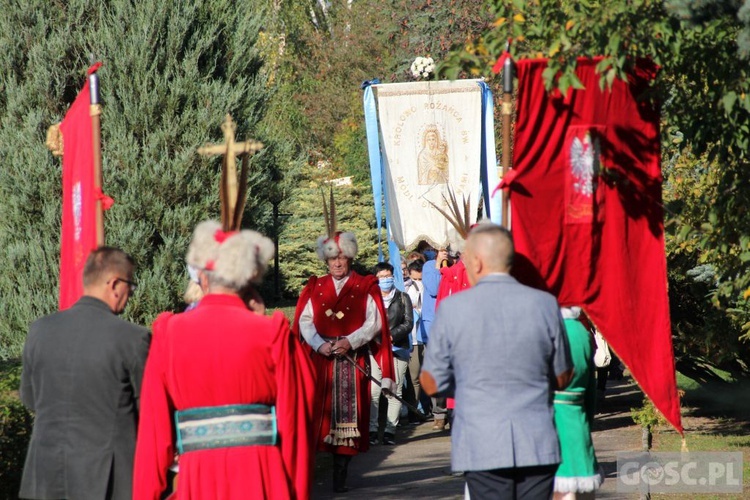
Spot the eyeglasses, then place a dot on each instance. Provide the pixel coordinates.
(131, 284)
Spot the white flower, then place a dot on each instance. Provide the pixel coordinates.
(422, 67)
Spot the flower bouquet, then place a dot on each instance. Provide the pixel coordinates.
(422, 68)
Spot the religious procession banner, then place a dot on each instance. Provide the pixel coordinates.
(74, 140)
(587, 215)
(427, 140)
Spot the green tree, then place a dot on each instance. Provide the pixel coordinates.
(171, 71)
(306, 223)
(704, 89)
(318, 58)
(329, 53)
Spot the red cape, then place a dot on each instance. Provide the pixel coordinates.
(220, 353)
(381, 350)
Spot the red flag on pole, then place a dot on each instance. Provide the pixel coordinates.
(80, 197)
(587, 214)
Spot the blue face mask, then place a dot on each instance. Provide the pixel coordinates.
(386, 284)
(193, 272)
(430, 254)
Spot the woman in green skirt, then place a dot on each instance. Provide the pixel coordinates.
(578, 476)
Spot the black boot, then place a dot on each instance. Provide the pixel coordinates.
(340, 469)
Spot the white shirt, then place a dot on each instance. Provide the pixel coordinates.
(415, 294)
(359, 337)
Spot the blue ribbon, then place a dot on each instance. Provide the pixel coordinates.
(393, 251)
(376, 174)
(373, 148)
(493, 205)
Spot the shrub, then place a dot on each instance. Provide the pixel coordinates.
(15, 432)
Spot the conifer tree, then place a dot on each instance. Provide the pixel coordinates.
(321, 53)
(171, 72)
(306, 223)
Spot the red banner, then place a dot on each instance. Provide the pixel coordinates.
(586, 214)
(78, 237)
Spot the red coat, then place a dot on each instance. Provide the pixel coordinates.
(352, 302)
(453, 280)
(221, 353)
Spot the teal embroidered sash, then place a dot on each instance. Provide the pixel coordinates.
(225, 426)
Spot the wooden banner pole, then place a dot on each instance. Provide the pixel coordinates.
(95, 110)
(507, 111)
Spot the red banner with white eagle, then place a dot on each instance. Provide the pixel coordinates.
(587, 216)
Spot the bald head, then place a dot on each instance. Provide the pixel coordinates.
(489, 249)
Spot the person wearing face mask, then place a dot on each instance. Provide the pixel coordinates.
(400, 322)
(414, 288)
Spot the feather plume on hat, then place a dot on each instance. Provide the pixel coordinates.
(334, 242)
(458, 216)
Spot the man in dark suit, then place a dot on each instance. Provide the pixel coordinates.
(82, 371)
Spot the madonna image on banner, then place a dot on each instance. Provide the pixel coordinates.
(431, 142)
(432, 162)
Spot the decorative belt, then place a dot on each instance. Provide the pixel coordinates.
(569, 398)
(225, 426)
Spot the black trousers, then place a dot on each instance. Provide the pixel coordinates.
(518, 483)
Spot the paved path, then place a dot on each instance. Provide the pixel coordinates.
(419, 465)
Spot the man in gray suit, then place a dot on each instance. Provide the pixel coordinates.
(82, 371)
(500, 348)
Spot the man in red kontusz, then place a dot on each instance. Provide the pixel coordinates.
(342, 318)
(233, 387)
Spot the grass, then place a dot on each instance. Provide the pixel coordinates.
(712, 391)
(720, 402)
(284, 305)
(728, 436)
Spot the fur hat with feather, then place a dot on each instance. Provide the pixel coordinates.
(335, 242)
(236, 258)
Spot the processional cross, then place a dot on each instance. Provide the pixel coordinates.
(232, 193)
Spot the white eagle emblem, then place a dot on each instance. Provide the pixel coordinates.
(583, 156)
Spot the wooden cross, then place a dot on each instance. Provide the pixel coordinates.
(230, 149)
